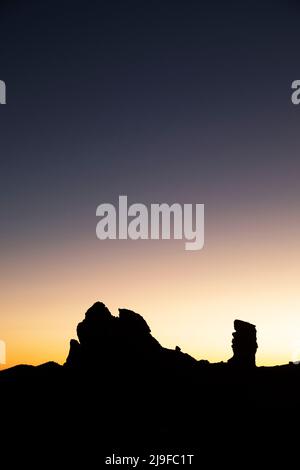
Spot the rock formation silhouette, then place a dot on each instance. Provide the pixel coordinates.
(120, 389)
(106, 341)
(104, 337)
(244, 344)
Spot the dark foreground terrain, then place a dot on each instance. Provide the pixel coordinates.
(120, 392)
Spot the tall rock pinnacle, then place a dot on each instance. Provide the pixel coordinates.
(244, 344)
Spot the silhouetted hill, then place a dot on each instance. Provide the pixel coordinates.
(121, 391)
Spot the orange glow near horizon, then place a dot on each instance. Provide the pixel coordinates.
(189, 299)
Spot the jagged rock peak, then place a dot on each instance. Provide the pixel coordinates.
(134, 321)
(104, 338)
(99, 308)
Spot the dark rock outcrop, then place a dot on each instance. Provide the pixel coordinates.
(244, 344)
(107, 341)
(119, 388)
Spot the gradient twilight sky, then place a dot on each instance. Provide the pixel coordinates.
(164, 101)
